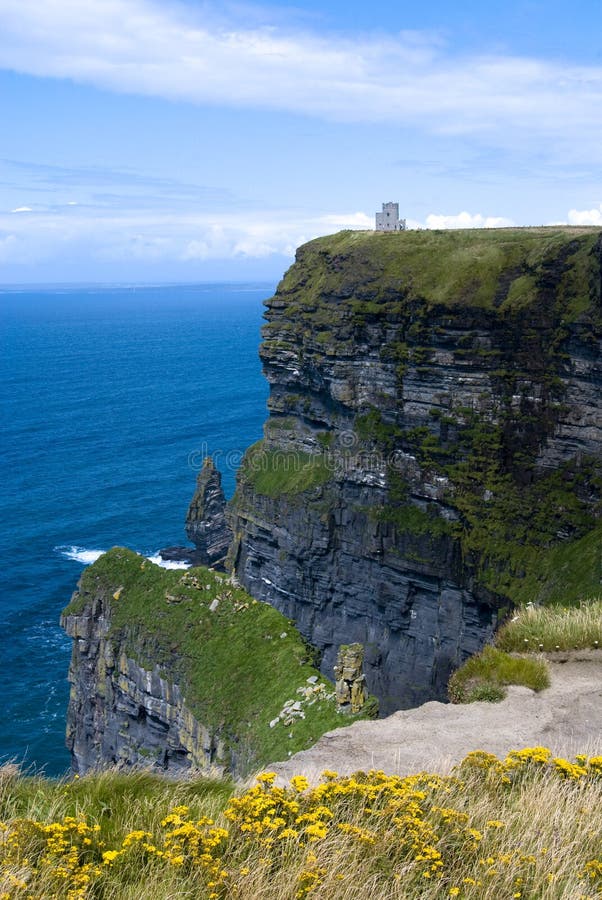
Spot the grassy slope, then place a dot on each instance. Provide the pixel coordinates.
(550, 628)
(237, 665)
(273, 472)
(525, 826)
(454, 268)
(564, 573)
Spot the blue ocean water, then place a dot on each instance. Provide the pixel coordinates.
(110, 398)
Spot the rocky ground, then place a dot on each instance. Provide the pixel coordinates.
(567, 718)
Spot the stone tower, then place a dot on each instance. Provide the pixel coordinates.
(388, 219)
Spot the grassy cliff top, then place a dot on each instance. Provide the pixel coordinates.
(504, 268)
(237, 660)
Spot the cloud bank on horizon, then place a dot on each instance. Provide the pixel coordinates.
(501, 122)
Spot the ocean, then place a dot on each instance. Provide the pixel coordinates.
(110, 399)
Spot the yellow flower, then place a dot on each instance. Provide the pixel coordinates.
(569, 770)
(299, 783)
(266, 778)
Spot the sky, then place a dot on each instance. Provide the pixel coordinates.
(155, 140)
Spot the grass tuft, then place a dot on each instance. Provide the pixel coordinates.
(486, 675)
(549, 628)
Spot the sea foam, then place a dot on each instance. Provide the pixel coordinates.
(168, 563)
(87, 557)
(80, 554)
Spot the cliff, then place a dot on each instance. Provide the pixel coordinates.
(434, 443)
(185, 671)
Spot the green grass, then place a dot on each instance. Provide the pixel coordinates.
(276, 472)
(550, 628)
(529, 825)
(472, 267)
(486, 675)
(110, 798)
(236, 666)
(561, 574)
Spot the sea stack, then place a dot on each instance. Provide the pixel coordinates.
(206, 524)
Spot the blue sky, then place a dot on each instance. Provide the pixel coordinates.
(181, 141)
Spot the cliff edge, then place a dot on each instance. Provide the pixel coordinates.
(566, 717)
(185, 671)
(434, 443)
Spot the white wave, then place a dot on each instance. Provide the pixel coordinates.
(87, 557)
(168, 563)
(80, 554)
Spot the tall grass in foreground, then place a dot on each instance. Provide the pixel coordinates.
(527, 826)
(548, 628)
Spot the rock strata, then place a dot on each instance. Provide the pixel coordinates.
(435, 436)
(206, 524)
(123, 713)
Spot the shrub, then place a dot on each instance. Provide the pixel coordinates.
(484, 676)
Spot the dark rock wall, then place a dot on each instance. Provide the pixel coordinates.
(344, 339)
(121, 713)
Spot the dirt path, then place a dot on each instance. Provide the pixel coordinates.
(567, 718)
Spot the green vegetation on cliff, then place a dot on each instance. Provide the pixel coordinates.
(495, 268)
(275, 472)
(237, 661)
(486, 675)
(532, 536)
(520, 645)
(503, 308)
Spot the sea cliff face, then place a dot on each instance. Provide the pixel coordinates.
(122, 713)
(180, 671)
(434, 443)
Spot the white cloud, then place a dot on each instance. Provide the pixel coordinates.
(586, 216)
(185, 53)
(467, 220)
(156, 237)
(159, 237)
(22, 209)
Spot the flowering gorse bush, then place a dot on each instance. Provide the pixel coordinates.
(527, 826)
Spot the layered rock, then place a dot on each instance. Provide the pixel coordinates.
(435, 430)
(206, 524)
(123, 713)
